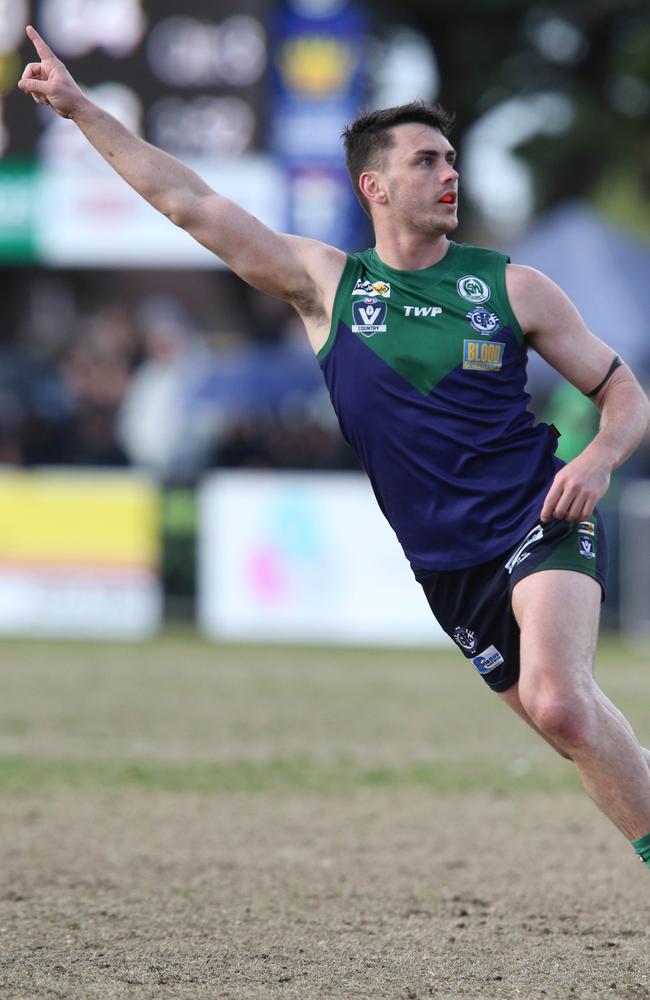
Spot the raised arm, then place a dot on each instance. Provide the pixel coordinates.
(556, 330)
(301, 271)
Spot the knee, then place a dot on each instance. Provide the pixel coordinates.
(564, 717)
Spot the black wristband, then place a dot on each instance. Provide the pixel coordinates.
(616, 363)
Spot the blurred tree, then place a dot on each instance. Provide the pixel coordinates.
(593, 56)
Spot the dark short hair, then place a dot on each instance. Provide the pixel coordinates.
(367, 138)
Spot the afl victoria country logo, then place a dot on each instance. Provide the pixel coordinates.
(473, 289)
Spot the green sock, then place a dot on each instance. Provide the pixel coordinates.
(642, 848)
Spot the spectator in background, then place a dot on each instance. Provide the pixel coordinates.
(95, 370)
(165, 425)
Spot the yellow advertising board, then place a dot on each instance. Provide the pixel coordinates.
(79, 554)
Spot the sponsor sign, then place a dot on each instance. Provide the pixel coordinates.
(487, 660)
(483, 355)
(79, 555)
(305, 557)
(424, 311)
(372, 288)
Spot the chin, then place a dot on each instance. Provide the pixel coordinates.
(448, 225)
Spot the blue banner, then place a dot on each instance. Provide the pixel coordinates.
(317, 88)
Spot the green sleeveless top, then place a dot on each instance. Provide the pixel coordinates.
(426, 371)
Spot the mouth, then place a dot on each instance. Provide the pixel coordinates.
(448, 199)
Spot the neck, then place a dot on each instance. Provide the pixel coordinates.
(411, 251)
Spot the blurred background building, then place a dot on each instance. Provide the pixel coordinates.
(124, 345)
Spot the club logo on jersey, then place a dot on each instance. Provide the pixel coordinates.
(587, 548)
(586, 528)
(465, 638)
(473, 289)
(432, 311)
(369, 316)
(483, 355)
(381, 288)
(488, 660)
(483, 321)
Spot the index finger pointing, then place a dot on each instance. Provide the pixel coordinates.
(43, 49)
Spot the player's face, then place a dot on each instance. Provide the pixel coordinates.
(421, 179)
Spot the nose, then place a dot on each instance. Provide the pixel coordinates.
(451, 173)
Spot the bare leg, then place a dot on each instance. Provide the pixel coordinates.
(558, 612)
(511, 698)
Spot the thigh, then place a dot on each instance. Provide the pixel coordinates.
(557, 612)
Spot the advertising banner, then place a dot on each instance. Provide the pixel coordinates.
(79, 555)
(318, 71)
(303, 557)
(191, 78)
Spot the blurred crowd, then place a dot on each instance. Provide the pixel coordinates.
(144, 384)
(146, 380)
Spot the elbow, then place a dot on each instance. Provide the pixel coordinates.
(173, 208)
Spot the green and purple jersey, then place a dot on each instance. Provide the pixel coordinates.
(426, 370)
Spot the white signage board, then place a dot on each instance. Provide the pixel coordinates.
(89, 217)
(305, 557)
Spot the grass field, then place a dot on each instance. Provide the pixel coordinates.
(176, 810)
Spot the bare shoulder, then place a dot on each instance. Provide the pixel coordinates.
(555, 329)
(536, 300)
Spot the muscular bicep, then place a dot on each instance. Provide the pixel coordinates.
(555, 329)
(288, 267)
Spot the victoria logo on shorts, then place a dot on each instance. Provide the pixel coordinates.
(587, 548)
(465, 638)
(483, 321)
(369, 316)
(473, 289)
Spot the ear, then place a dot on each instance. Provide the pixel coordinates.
(372, 188)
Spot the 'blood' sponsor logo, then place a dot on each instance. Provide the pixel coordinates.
(483, 355)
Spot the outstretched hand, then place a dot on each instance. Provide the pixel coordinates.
(48, 81)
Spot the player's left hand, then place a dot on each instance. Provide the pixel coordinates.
(575, 490)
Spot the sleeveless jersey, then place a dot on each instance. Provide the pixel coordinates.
(426, 371)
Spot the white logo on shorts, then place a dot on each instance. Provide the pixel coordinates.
(465, 638)
(534, 535)
(587, 548)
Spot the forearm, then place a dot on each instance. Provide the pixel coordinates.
(623, 424)
(162, 180)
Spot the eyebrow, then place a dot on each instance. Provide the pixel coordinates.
(435, 152)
